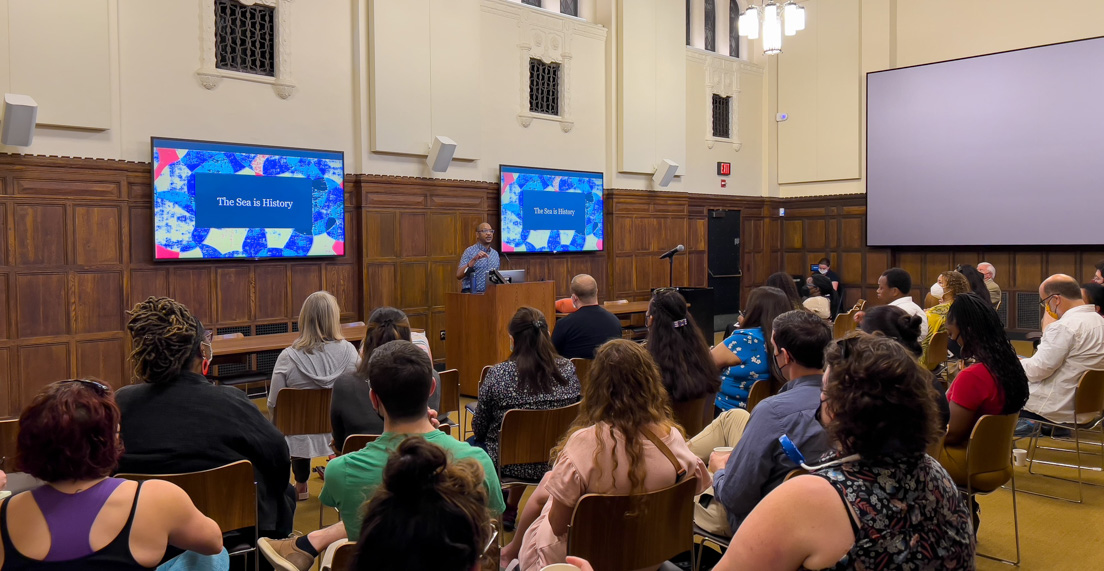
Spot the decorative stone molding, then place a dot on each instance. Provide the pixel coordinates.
(210, 76)
(722, 77)
(548, 39)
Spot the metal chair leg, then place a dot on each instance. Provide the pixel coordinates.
(1015, 524)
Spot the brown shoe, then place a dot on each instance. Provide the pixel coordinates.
(284, 555)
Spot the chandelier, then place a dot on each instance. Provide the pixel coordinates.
(775, 20)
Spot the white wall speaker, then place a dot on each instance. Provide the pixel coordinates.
(440, 153)
(665, 173)
(18, 123)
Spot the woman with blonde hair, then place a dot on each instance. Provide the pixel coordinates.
(953, 283)
(619, 444)
(314, 361)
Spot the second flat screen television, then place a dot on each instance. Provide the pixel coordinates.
(546, 210)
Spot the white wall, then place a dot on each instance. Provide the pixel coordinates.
(378, 79)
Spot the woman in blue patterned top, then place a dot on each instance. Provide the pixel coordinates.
(744, 356)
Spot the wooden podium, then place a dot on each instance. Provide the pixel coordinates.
(477, 326)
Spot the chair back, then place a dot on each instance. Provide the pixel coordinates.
(303, 411)
(624, 532)
(937, 350)
(227, 494)
(860, 305)
(989, 452)
(9, 434)
(582, 369)
(760, 390)
(528, 436)
(930, 301)
(1089, 398)
(795, 473)
(344, 557)
(844, 324)
(354, 442)
(693, 415)
(450, 392)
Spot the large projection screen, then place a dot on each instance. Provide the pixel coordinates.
(1004, 149)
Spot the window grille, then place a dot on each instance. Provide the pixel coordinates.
(711, 25)
(722, 120)
(1028, 313)
(266, 360)
(534, 3)
(245, 37)
(733, 28)
(272, 328)
(569, 7)
(544, 87)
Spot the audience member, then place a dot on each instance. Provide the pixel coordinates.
(429, 512)
(903, 328)
(580, 333)
(402, 381)
(994, 384)
(884, 503)
(1098, 277)
(1093, 294)
(824, 268)
(759, 464)
(82, 518)
(976, 281)
(176, 421)
(785, 282)
(820, 300)
(989, 272)
(351, 409)
(623, 442)
(951, 283)
(1072, 345)
(533, 378)
(314, 361)
(894, 286)
(744, 356)
(679, 349)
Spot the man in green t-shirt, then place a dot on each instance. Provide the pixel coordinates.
(401, 381)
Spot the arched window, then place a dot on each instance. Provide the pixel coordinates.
(711, 25)
(733, 31)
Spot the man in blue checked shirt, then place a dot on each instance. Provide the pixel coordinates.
(477, 260)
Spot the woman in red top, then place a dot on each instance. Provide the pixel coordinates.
(994, 384)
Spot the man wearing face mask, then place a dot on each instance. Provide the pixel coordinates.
(758, 464)
(1073, 344)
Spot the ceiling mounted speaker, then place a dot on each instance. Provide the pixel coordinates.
(665, 173)
(440, 154)
(20, 114)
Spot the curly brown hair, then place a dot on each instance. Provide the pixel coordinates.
(954, 283)
(881, 399)
(165, 337)
(69, 432)
(623, 395)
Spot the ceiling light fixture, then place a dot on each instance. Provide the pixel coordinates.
(772, 22)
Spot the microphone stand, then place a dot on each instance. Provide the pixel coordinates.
(671, 272)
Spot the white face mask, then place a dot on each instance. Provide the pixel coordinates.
(822, 272)
(937, 290)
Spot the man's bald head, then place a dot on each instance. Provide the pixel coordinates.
(1063, 285)
(585, 288)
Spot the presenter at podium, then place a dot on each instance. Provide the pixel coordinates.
(477, 260)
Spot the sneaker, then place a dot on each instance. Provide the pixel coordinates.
(284, 555)
(1024, 428)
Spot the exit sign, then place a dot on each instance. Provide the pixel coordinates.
(724, 169)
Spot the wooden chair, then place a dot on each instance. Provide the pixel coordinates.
(760, 390)
(354, 442)
(860, 305)
(930, 301)
(694, 415)
(303, 411)
(450, 398)
(227, 494)
(528, 436)
(339, 556)
(844, 324)
(989, 464)
(624, 532)
(1088, 398)
(582, 369)
(9, 434)
(473, 406)
(937, 350)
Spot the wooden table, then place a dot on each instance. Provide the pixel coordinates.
(620, 309)
(259, 343)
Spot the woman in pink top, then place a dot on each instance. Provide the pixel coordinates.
(606, 451)
(994, 384)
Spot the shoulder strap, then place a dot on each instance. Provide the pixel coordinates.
(680, 472)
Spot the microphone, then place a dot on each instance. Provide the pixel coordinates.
(670, 253)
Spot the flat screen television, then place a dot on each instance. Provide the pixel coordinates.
(548, 211)
(230, 201)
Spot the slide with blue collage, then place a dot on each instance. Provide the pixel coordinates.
(219, 200)
(551, 210)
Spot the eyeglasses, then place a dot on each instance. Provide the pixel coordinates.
(491, 540)
(100, 388)
(486, 231)
(1042, 302)
(208, 336)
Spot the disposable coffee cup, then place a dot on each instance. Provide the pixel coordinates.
(1019, 456)
(723, 450)
(560, 567)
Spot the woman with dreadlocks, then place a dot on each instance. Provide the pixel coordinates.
(994, 384)
(176, 421)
